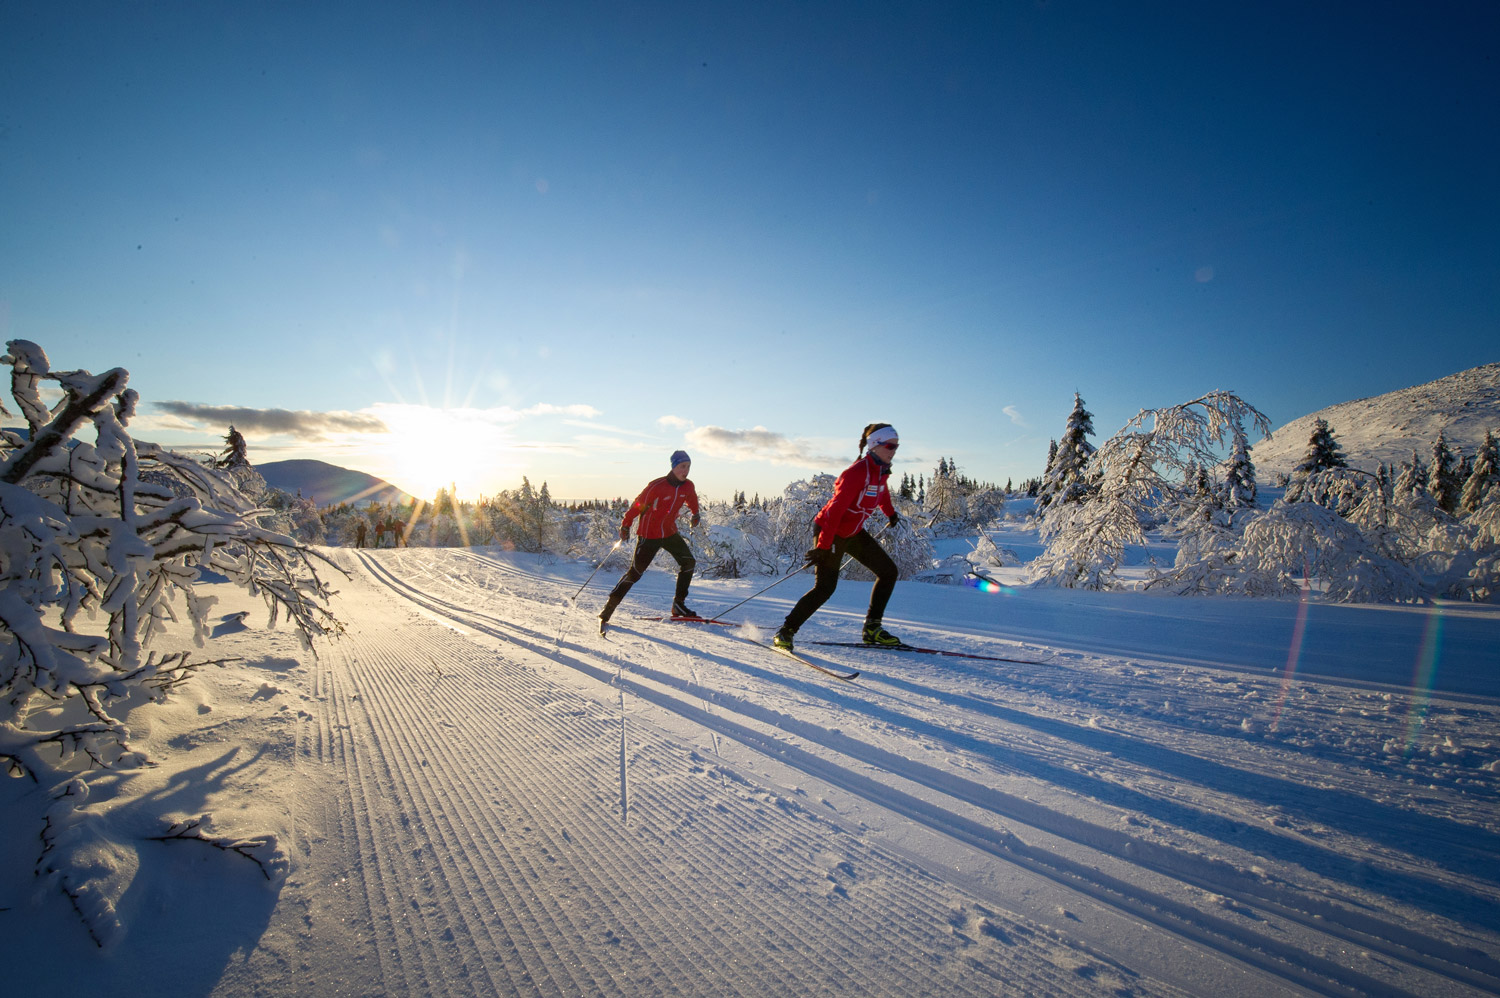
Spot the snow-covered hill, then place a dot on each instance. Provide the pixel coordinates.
(328, 484)
(1387, 428)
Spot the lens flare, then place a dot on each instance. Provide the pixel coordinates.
(1294, 651)
(1422, 677)
(985, 585)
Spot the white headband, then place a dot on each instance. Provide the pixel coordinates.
(884, 435)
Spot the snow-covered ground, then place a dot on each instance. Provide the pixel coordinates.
(474, 793)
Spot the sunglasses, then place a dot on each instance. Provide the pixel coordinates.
(889, 443)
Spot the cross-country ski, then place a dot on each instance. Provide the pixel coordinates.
(926, 651)
(825, 670)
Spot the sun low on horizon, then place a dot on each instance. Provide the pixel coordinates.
(467, 451)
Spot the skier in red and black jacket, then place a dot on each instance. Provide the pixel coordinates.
(658, 506)
(859, 492)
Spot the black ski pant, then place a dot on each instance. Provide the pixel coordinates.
(645, 550)
(863, 549)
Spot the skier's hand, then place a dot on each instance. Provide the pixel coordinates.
(895, 518)
(822, 558)
(624, 533)
(694, 521)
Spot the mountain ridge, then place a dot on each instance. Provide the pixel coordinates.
(1387, 428)
(328, 484)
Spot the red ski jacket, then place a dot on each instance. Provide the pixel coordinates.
(859, 491)
(658, 506)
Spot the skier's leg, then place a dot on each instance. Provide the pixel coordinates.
(826, 581)
(678, 548)
(863, 549)
(645, 550)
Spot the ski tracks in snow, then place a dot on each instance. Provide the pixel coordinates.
(532, 809)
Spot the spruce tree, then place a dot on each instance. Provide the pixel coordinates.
(1064, 480)
(1323, 451)
(1411, 483)
(234, 455)
(1239, 477)
(1442, 481)
(1481, 481)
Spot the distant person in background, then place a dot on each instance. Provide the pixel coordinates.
(379, 531)
(860, 491)
(359, 535)
(398, 534)
(658, 506)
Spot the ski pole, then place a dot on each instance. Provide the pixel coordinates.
(788, 575)
(771, 586)
(612, 548)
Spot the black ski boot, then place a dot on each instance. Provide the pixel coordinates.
(681, 609)
(783, 640)
(606, 613)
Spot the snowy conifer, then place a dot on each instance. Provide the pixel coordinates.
(1067, 465)
(1442, 481)
(235, 450)
(1412, 479)
(1239, 474)
(1323, 452)
(1481, 481)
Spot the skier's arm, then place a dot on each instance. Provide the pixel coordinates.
(634, 511)
(846, 493)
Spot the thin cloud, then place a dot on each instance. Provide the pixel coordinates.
(1014, 414)
(675, 422)
(300, 423)
(577, 410)
(606, 428)
(759, 444)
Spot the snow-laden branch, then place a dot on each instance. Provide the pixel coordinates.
(1144, 467)
(98, 543)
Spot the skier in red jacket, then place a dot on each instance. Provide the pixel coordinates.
(658, 506)
(840, 525)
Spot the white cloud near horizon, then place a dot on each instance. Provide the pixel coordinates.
(374, 420)
(301, 423)
(759, 444)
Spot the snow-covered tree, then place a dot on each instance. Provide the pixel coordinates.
(946, 501)
(95, 553)
(791, 521)
(1481, 481)
(1140, 467)
(235, 450)
(1311, 541)
(1443, 483)
(1411, 481)
(1323, 452)
(1065, 479)
(1239, 471)
(524, 519)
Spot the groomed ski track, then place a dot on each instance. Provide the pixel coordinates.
(533, 809)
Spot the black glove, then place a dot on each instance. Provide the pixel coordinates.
(624, 533)
(895, 519)
(822, 558)
(694, 521)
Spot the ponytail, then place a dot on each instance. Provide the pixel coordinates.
(863, 437)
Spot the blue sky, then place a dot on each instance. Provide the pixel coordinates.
(477, 241)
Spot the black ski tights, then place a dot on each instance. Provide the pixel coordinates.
(863, 549)
(645, 550)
